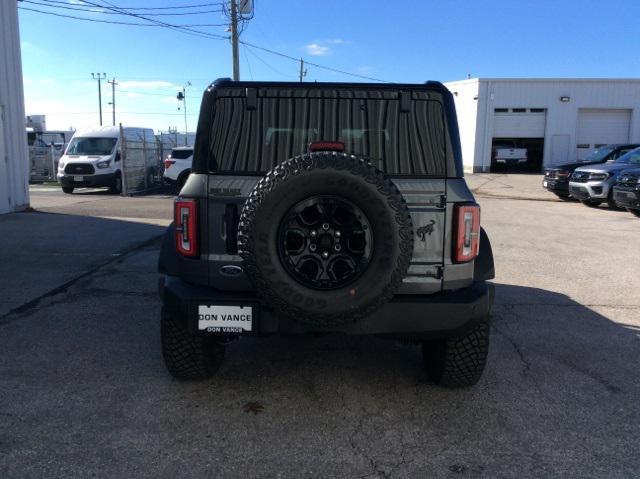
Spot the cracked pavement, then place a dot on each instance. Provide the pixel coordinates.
(84, 393)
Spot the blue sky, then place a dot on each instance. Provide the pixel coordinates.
(399, 41)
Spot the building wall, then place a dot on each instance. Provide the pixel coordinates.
(14, 174)
(464, 94)
(562, 117)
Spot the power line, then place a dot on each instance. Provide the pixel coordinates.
(190, 31)
(297, 60)
(116, 22)
(166, 95)
(246, 59)
(271, 67)
(216, 4)
(86, 8)
(186, 30)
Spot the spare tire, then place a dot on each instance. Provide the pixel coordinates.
(326, 238)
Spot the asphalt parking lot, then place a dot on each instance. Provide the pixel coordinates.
(84, 393)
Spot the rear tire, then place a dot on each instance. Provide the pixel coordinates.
(67, 189)
(458, 362)
(187, 356)
(634, 212)
(591, 203)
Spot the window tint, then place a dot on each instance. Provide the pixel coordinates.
(256, 140)
(621, 151)
(632, 156)
(181, 154)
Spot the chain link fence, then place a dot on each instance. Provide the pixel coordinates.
(43, 162)
(142, 166)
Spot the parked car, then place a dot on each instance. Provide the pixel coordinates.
(505, 154)
(556, 178)
(593, 184)
(177, 166)
(626, 191)
(327, 222)
(93, 157)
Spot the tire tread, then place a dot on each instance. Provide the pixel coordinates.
(459, 361)
(187, 356)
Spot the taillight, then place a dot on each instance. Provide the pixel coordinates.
(186, 222)
(467, 232)
(168, 163)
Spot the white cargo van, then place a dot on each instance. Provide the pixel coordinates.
(93, 157)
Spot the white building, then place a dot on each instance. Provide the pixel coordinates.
(14, 164)
(557, 120)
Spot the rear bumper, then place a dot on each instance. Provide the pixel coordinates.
(416, 316)
(107, 179)
(627, 197)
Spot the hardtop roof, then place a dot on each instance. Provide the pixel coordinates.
(428, 85)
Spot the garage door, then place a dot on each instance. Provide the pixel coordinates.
(598, 126)
(519, 123)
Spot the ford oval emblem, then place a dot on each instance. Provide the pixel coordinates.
(230, 270)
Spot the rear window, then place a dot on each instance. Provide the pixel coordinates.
(181, 154)
(370, 124)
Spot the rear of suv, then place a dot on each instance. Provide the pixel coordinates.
(327, 208)
(177, 166)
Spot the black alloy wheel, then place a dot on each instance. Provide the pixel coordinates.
(325, 242)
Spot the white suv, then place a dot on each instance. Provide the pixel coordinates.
(177, 166)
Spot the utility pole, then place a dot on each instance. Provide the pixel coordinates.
(113, 99)
(303, 72)
(182, 96)
(99, 77)
(234, 39)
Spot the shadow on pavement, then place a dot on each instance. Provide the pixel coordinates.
(84, 384)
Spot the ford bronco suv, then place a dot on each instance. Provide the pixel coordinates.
(327, 208)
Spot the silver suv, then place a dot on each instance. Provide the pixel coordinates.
(593, 184)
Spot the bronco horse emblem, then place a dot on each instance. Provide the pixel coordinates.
(425, 230)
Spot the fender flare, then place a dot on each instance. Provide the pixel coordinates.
(483, 266)
(168, 261)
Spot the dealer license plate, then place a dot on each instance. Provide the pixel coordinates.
(78, 179)
(225, 319)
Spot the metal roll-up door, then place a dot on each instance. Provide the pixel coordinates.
(519, 124)
(601, 126)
